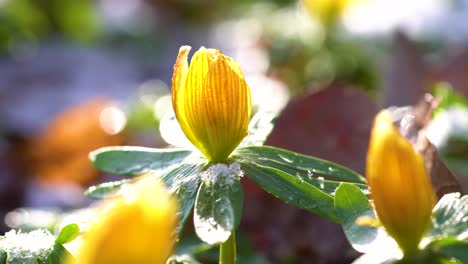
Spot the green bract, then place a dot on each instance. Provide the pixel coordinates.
(214, 189)
(445, 242)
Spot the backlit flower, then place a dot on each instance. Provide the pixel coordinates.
(400, 185)
(327, 11)
(211, 101)
(138, 227)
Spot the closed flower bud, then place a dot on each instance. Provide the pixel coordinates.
(211, 101)
(138, 227)
(400, 186)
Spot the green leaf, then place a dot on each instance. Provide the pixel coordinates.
(456, 163)
(105, 190)
(450, 217)
(3, 257)
(327, 186)
(448, 98)
(350, 204)
(425, 257)
(193, 246)
(218, 206)
(451, 248)
(376, 258)
(58, 255)
(303, 165)
(68, 234)
(260, 127)
(182, 259)
(135, 160)
(291, 189)
(183, 181)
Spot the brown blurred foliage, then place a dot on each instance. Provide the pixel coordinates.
(60, 152)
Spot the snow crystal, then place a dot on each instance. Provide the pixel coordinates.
(222, 173)
(27, 247)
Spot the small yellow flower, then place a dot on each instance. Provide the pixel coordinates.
(211, 101)
(399, 183)
(327, 11)
(138, 227)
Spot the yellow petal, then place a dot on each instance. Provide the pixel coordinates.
(213, 108)
(180, 71)
(179, 78)
(400, 186)
(136, 228)
(226, 105)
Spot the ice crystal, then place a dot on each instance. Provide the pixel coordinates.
(26, 248)
(223, 174)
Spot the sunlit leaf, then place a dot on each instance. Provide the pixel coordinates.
(376, 258)
(325, 185)
(218, 208)
(106, 189)
(451, 248)
(68, 234)
(182, 259)
(291, 189)
(450, 217)
(171, 132)
(448, 98)
(301, 164)
(183, 181)
(3, 257)
(350, 204)
(260, 126)
(135, 160)
(58, 255)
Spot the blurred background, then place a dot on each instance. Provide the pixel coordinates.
(83, 74)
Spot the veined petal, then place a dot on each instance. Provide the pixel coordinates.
(213, 107)
(226, 106)
(399, 183)
(179, 78)
(180, 72)
(183, 101)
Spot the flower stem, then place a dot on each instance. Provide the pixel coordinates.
(227, 250)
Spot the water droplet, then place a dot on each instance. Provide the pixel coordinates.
(321, 182)
(285, 158)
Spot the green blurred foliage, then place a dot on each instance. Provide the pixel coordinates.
(203, 11)
(450, 116)
(311, 55)
(303, 66)
(448, 98)
(30, 20)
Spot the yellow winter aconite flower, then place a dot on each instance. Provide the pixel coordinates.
(211, 101)
(400, 185)
(328, 11)
(138, 227)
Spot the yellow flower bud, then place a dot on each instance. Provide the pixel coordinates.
(327, 11)
(211, 101)
(138, 227)
(400, 185)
